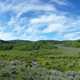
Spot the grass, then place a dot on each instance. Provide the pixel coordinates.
(61, 59)
(54, 63)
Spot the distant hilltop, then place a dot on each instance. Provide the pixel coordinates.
(37, 45)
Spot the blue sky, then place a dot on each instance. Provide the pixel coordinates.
(40, 19)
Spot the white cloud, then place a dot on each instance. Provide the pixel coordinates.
(7, 36)
(57, 23)
(72, 36)
(25, 6)
(27, 29)
(61, 2)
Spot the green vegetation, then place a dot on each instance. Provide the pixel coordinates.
(39, 60)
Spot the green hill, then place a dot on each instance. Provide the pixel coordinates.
(36, 45)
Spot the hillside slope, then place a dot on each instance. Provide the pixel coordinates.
(35, 45)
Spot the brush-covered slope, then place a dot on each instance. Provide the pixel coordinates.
(27, 45)
(39, 60)
(36, 45)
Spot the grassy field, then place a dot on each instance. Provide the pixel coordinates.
(40, 61)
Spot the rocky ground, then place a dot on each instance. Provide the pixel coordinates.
(20, 70)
